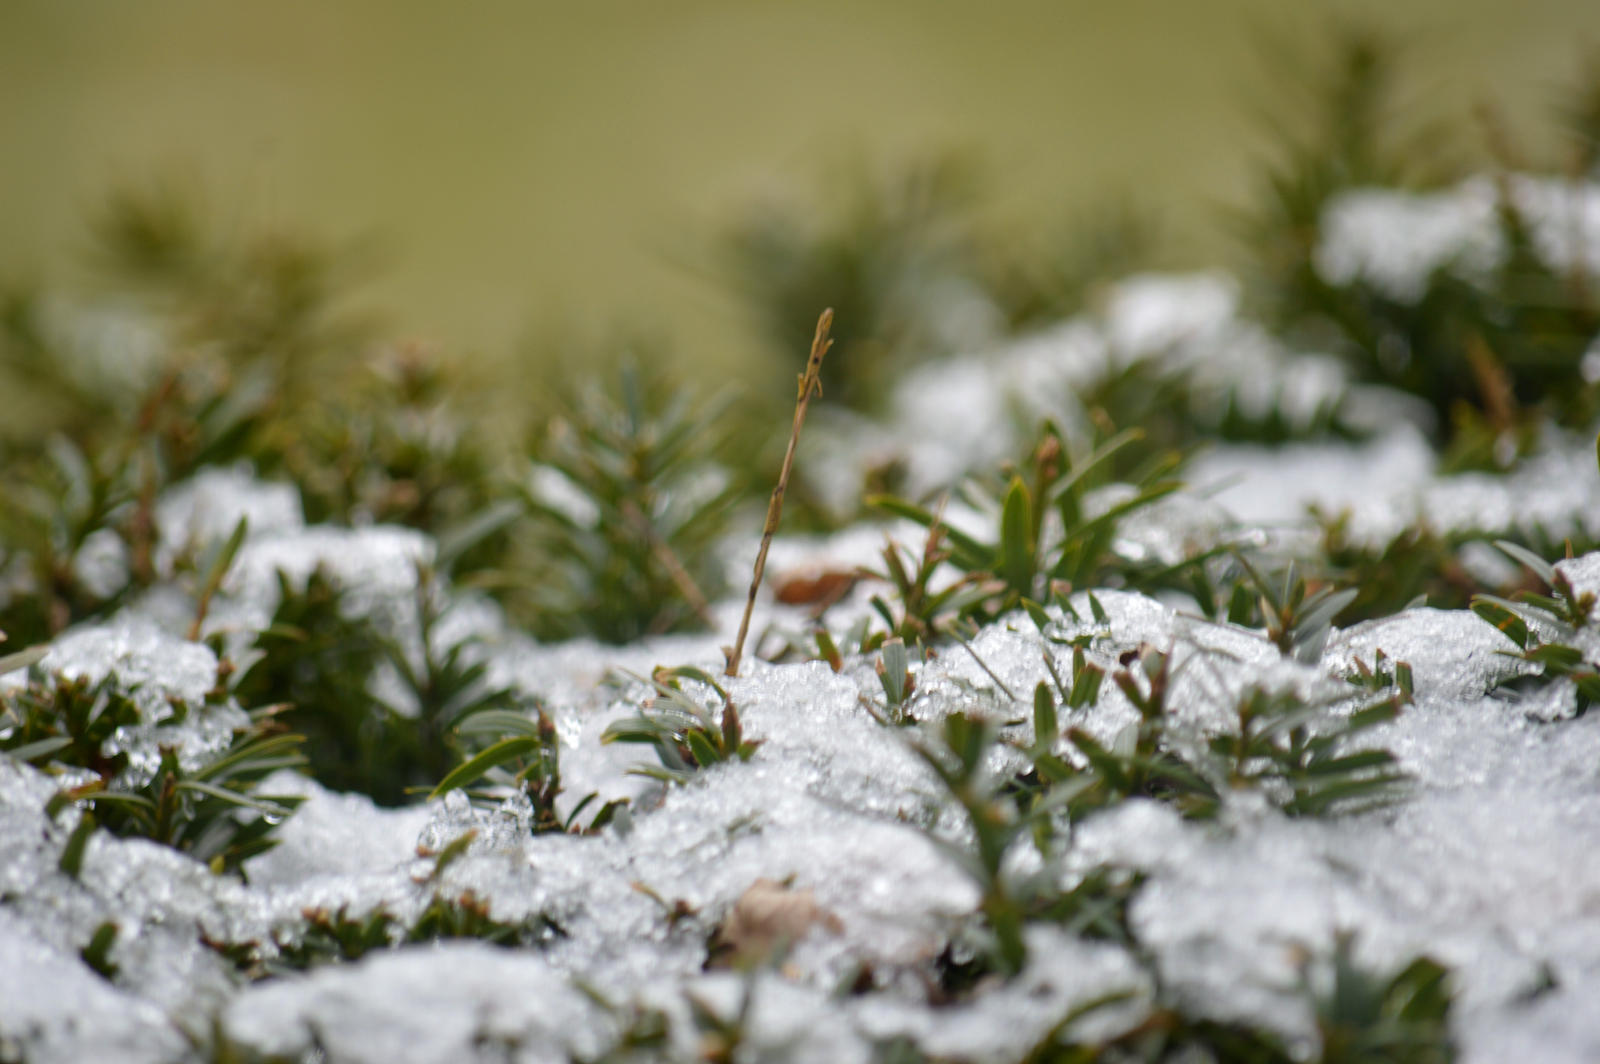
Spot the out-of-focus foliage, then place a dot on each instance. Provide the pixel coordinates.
(196, 352)
(1040, 280)
(393, 445)
(1491, 354)
(625, 499)
(893, 254)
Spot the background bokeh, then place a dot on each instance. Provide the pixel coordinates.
(543, 169)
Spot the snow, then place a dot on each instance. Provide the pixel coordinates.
(105, 348)
(1388, 484)
(203, 511)
(98, 1022)
(455, 1001)
(378, 564)
(835, 810)
(952, 417)
(1451, 652)
(1396, 241)
(1582, 573)
(334, 835)
(1470, 869)
(152, 665)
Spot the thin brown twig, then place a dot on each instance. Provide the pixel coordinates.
(810, 387)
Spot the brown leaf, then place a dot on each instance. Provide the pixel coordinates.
(818, 588)
(768, 917)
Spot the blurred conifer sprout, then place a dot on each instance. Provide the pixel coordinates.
(1491, 338)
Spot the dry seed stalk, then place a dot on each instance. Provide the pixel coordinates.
(810, 386)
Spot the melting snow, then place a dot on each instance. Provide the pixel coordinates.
(1476, 866)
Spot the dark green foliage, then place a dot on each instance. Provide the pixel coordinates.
(79, 526)
(1096, 906)
(521, 753)
(247, 328)
(54, 719)
(643, 1032)
(1169, 1034)
(94, 494)
(267, 298)
(895, 675)
(213, 811)
(96, 952)
(1056, 278)
(255, 359)
(1403, 1017)
(1142, 761)
(56, 501)
(1491, 358)
(1296, 613)
(1336, 126)
(320, 660)
(1177, 410)
(394, 447)
(339, 937)
(1305, 757)
(1383, 674)
(1489, 355)
(1361, 1016)
(331, 938)
(1417, 565)
(686, 735)
(641, 560)
(1021, 563)
(959, 758)
(237, 331)
(914, 611)
(71, 863)
(468, 916)
(881, 250)
(444, 684)
(1081, 689)
(1302, 757)
(1545, 628)
(529, 756)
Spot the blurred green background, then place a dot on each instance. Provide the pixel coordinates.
(538, 169)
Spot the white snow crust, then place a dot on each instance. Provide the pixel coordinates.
(1485, 865)
(1396, 241)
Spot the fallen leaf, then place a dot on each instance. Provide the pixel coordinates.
(767, 918)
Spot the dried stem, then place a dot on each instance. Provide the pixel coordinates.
(810, 386)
